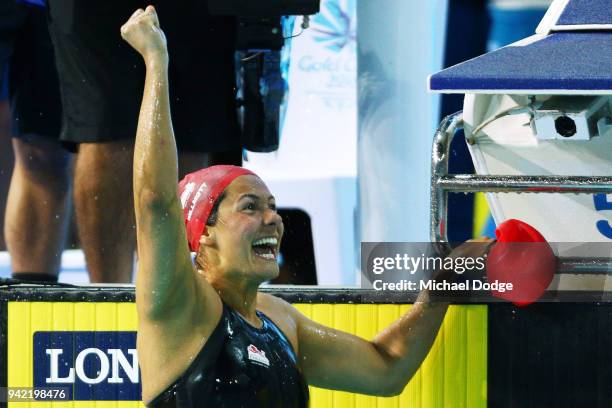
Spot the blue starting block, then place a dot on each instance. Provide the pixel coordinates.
(537, 118)
(570, 54)
(577, 15)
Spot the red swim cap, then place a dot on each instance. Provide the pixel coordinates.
(198, 192)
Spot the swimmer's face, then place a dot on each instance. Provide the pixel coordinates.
(246, 237)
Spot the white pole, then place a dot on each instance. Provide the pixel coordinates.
(400, 43)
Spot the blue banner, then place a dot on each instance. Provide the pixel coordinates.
(96, 366)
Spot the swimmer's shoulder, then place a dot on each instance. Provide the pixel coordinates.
(282, 313)
(273, 305)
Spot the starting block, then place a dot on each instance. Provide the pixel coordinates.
(537, 118)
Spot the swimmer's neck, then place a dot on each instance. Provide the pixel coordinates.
(240, 295)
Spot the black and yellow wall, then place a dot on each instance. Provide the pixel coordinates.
(546, 355)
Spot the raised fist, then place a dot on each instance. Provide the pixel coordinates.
(142, 32)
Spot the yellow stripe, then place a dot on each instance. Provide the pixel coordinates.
(481, 214)
(25, 318)
(477, 343)
(454, 373)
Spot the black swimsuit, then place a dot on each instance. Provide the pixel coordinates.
(240, 366)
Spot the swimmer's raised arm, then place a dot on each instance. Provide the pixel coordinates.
(165, 284)
(334, 359)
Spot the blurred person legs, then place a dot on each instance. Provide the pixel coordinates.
(101, 81)
(6, 152)
(38, 203)
(37, 208)
(104, 209)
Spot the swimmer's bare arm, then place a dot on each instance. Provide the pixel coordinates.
(341, 361)
(383, 366)
(165, 280)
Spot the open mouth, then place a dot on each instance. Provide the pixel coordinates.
(266, 248)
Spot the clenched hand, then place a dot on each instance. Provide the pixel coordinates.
(143, 33)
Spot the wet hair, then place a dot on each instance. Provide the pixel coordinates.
(212, 220)
(214, 212)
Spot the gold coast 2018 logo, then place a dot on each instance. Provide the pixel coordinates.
(335, 26)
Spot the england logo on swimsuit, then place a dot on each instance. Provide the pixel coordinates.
(257, 356)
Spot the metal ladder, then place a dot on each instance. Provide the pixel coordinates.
(443, 183)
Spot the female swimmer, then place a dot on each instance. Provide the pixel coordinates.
(206, 337)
